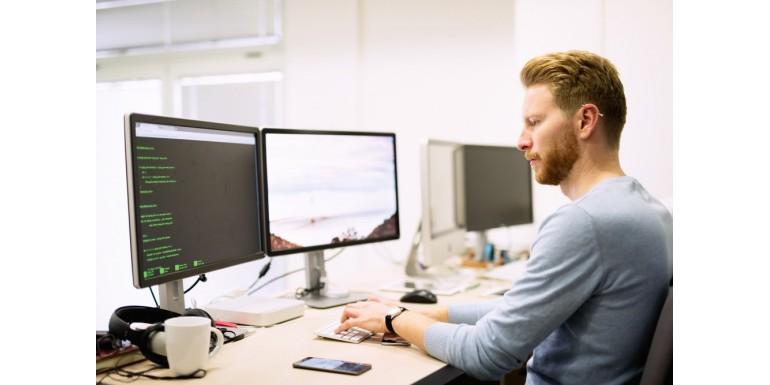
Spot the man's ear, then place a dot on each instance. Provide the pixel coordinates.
(587, 117)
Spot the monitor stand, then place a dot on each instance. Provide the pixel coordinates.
(322, 296)
(481, 243)
(172, 296)
(415, 270)
(442, 280)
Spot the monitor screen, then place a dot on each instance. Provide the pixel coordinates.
(497, 187)
(193, 197)
(326, 189)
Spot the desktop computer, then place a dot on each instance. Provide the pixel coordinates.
(496, 190)
(195, 207)
(465, 188)
(324, 190)
(441, 232)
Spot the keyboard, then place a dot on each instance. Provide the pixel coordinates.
(354, 334)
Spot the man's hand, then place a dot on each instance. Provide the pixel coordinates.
(369, 315)
(388, 302)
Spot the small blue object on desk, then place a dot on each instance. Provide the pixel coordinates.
(489, 252)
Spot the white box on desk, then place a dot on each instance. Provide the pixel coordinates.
(257, 311)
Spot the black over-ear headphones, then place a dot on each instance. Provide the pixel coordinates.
(123, 317)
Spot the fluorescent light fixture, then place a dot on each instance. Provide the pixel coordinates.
(190, 47)
(110, 4)
(129, 84)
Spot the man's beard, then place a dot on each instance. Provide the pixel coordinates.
(556, 164)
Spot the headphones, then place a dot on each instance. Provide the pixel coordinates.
(148, 340)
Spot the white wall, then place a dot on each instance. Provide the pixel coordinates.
(637, 37)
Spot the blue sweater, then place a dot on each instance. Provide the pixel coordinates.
(588, 303)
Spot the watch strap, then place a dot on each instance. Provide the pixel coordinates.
(389, 319)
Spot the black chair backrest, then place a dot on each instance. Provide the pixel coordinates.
(659, 368)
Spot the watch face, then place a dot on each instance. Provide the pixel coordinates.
(394, 311)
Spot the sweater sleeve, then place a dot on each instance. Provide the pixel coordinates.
(470, 313)
(563, 272)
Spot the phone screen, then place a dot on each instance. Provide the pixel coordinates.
(331, 365)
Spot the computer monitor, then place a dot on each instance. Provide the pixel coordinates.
(469, 187)
(497, 187)
(496, 190)
(194, 203)
(442, 226)
(328, 189)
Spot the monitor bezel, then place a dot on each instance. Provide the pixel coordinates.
(130, 122)
(264, 194)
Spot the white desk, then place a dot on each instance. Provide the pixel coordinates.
(266, 356)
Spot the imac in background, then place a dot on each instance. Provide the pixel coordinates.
(470, 188)
(442, 226)
(324, 190)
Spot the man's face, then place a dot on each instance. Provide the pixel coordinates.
(547, 139)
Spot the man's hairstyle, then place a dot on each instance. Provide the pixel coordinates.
(579, 77)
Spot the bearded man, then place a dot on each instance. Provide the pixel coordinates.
(600, 266)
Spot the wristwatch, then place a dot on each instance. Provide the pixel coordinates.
(392, 314)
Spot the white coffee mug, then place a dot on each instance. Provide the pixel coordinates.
(187, 343)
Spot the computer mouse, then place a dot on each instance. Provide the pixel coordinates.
(419, 296)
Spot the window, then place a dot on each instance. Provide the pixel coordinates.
(249, 99)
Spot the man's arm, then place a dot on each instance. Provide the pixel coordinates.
(411, 325)
(562, 274)
(438, 312)
(468, 313)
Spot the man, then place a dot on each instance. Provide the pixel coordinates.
(588, 303)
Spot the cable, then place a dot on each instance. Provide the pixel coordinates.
(335, 255)
(201, 278)
(275, 279)
(301, 292)
(153, 296)
(292, 272)
(132, 376)
(262, 273)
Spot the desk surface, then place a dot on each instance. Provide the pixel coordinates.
(266, 356)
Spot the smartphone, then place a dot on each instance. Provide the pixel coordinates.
(330, 365)
(394, 340)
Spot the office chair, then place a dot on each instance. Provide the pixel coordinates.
(659, 369)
